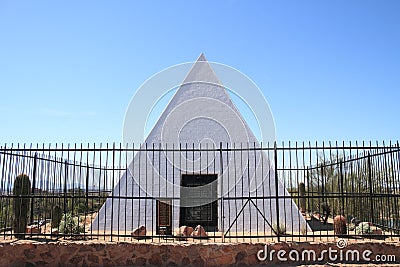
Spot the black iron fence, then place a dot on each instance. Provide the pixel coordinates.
(228, 193)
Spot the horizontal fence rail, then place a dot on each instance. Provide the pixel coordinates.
(207, 193)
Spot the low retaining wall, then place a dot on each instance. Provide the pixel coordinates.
(79, 253)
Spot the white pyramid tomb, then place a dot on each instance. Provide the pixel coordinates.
(200, 115)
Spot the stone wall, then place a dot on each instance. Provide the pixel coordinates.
(84, 253)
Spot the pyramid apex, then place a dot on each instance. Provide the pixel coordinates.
(202, 57)
(201, 71)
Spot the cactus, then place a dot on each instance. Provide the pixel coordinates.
(340, 225)
(56, 216)
(22, 186)
(302, 194)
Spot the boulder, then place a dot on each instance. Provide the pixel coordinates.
(179, 235)
(377, 231)
(55, 231)
(199, 232)
(139, 232)
(186, 230)
(183, 231)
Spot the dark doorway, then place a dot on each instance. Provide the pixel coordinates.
(164, 217)
(205, 215)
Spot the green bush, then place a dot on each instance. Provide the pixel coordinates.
(70, 225)
(80, 208)
(363, 229)
(281, 230)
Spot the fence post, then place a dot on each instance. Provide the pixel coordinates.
(222, 190)
(276, 191)
(396, 191)
(33, 185)
(87, 189)
(341, 188)
(65, 186)
(370, 188)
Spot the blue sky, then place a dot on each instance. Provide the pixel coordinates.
(329, 70)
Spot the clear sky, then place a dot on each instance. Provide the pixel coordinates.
(330, 70)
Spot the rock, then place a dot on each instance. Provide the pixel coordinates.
(33, 229)
(139, 232)
(179, 236)
(184, 231)
(199, 232)
(377, 231)
(55, 231)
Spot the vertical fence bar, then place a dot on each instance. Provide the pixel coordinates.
(397, 189)
(341, 192)
(221, 192)
(370, 188)
(87, 211)
(248, 185)
(276, 191)
(4, 202)
(395, 220)
(65, 185)
(33, 186)
(235, 199)
(152, 192)
(263, 187)
(256, 202)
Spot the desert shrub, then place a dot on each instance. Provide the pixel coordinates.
(80, 208)
(70, 225)
(281, 230)
(363, 229)
(303, 230)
